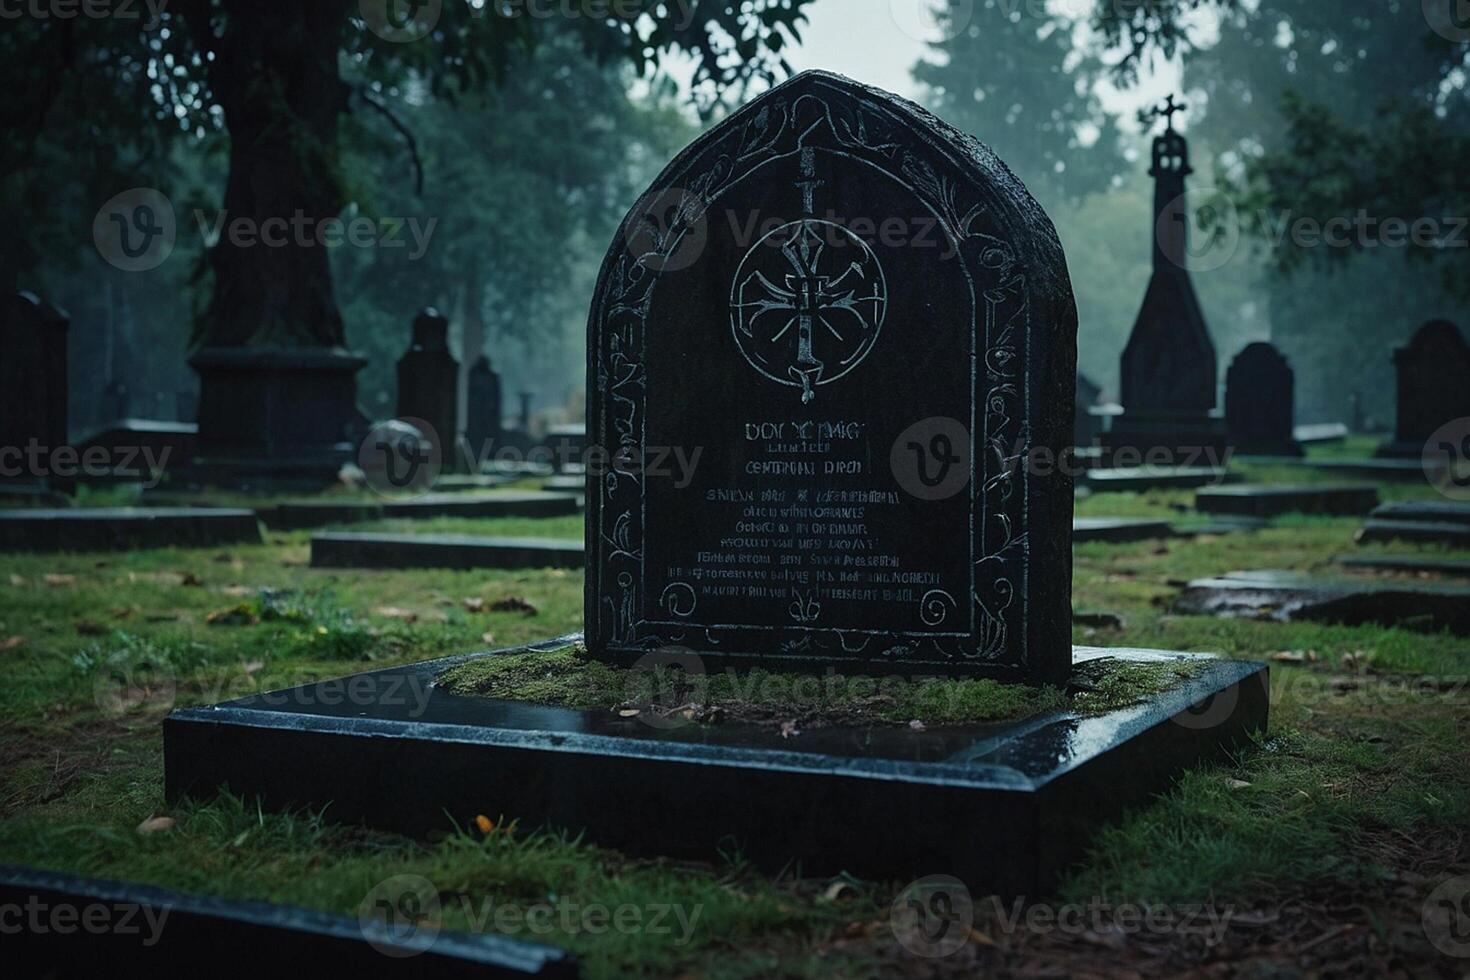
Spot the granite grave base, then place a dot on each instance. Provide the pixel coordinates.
(391, 750)
(158, 932)
(1141, 478)
(308, 514)
(124, 528)
(1270, 500)
(1421, 521)
(390, 551)
(1292, 596)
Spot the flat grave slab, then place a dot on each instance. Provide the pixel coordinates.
(160, 932)
(1407, 564)
(565, 484)
(1321, 433)
(1119, 529)
(464, 482)
(1289, 596)
(123, 528)
(1370, 468)
(1426, 521)
(1140, 478)
(1225, 525)
(391, 749)
(307, 514)
(388, 551)
(1271, 500)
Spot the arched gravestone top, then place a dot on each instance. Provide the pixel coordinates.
(819, 349)
(1433, 383)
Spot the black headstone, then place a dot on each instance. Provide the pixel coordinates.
(33, 388)
(1260, 402)
(1088, 427)
(428, 381)
(483, 410)
(858, 318)
(1433, 386)
(1168, 367)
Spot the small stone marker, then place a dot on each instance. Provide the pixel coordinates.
(428, 382)
(1291, 596)
(484, 420)
(1260, 403)
(1433, 387)
(862, 322)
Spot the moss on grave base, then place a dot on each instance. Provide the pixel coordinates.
(569, 678)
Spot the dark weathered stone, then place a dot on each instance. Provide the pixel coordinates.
(484, 419)
(272, 417)
(1407, 564)
(140, 450)
(1169, 366)
(158, 932)
(442, 551)
(1269, 500)
(307, 514)
(1260, 403)
(748, 309)
(1140, 478)
(117, 529)
(1118, 530)
(428, 383)
(33, 388)
(390, 749)
(1376, 469)
(1290, 596)
(1433, 386)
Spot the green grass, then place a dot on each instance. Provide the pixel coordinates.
(1364, 763)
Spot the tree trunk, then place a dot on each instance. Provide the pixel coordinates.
(275, 75)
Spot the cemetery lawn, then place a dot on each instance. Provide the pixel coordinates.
(1316, 848)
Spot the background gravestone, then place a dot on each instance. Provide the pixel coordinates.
(428, 381)
(1168, 367)
(1088, 426)
(33, 381)
(1260, 392)
(1433, 386)
(859, 318)
(483, 410)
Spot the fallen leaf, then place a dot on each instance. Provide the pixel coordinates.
(488, 639)
(917, 725)
(1236, 783)
(236, 591)
(190, 579)
(13, 643)
(59, 580)
(17, 581)
(254, 667)
(86, 627)
(485, 824)
(393, 612)
(513, 604)
(1289, 657)
(121, 612)
(629, 713)
(789, 729)
(474, 604)
(837, 890)
(155, 824)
